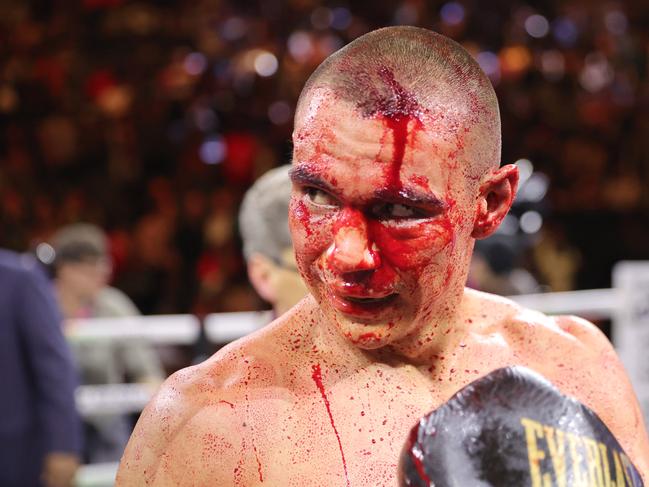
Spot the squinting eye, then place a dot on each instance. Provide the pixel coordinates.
(320, 198)
(402, 211)
(395, 210)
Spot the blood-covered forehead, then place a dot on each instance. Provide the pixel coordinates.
(329, 124)
(385, 134)
(440, 112)
(335, 145)
(448, 112)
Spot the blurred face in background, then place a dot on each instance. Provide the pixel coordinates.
(290, 287)
(85, 277)
(279, 283)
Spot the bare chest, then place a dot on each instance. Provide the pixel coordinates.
(344, 433)
(350, 431)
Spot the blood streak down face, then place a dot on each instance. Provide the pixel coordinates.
(382, 211)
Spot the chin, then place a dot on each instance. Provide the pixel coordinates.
(364, 333)
(367, 325)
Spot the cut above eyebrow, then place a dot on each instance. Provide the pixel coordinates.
(411, 197)
(302, 175)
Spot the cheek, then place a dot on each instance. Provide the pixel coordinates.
(299, 219)
(311, 233)
(415, 247)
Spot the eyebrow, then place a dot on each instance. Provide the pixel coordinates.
(407, 196)
(302, 175)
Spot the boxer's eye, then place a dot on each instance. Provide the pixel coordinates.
(397, 211)
(319, 197)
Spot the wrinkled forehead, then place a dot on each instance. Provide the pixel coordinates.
(442, 113)
(327, 122)
(331, 129)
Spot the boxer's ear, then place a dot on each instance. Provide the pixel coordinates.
(495, 198)
(260, 273)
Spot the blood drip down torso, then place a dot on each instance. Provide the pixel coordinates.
(317, 378)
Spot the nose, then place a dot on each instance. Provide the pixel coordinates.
(351, 249)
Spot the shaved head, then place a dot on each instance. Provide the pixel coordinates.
(414, 72)
(395, 172)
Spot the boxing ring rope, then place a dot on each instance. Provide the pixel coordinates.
(157, 329)
(222, 328)
(594, 304)
(226, 327)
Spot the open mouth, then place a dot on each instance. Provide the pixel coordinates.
(381, 300)
(360, 306)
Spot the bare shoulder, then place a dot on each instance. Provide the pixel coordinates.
(585, 332)
(163, 423)
(595, 375)
(556, 344)
(575, 356)
(497, 314)
(197, 408)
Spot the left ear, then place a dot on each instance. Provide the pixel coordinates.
(494, 200)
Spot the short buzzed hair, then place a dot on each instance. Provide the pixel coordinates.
(436, 71)
(263, 218)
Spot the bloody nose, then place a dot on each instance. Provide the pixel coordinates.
(352, 249)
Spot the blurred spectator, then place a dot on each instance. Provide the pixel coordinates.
(555, 259)
(494, 269)
(82, 270)
(40, 433)
(81, 275)
(263, 220)
(149, 275)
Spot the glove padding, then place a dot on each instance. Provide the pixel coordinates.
(513, 428)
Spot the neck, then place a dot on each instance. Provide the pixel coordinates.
(328, 341)
(438, 335)
(432, 337)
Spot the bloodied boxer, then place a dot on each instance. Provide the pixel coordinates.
(395, 174)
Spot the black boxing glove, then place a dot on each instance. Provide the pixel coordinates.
(513, 428)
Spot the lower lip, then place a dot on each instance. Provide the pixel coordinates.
(362, 309)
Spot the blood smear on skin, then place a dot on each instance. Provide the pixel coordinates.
(397, 113)
(302, 214)
(254, 446)
(317, 378)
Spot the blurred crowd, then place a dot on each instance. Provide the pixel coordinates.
(151, 119)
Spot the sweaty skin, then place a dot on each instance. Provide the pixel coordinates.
(384, 214)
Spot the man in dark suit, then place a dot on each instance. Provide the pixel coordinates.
(39, 426)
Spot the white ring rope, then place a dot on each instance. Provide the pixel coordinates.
(226, 327)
